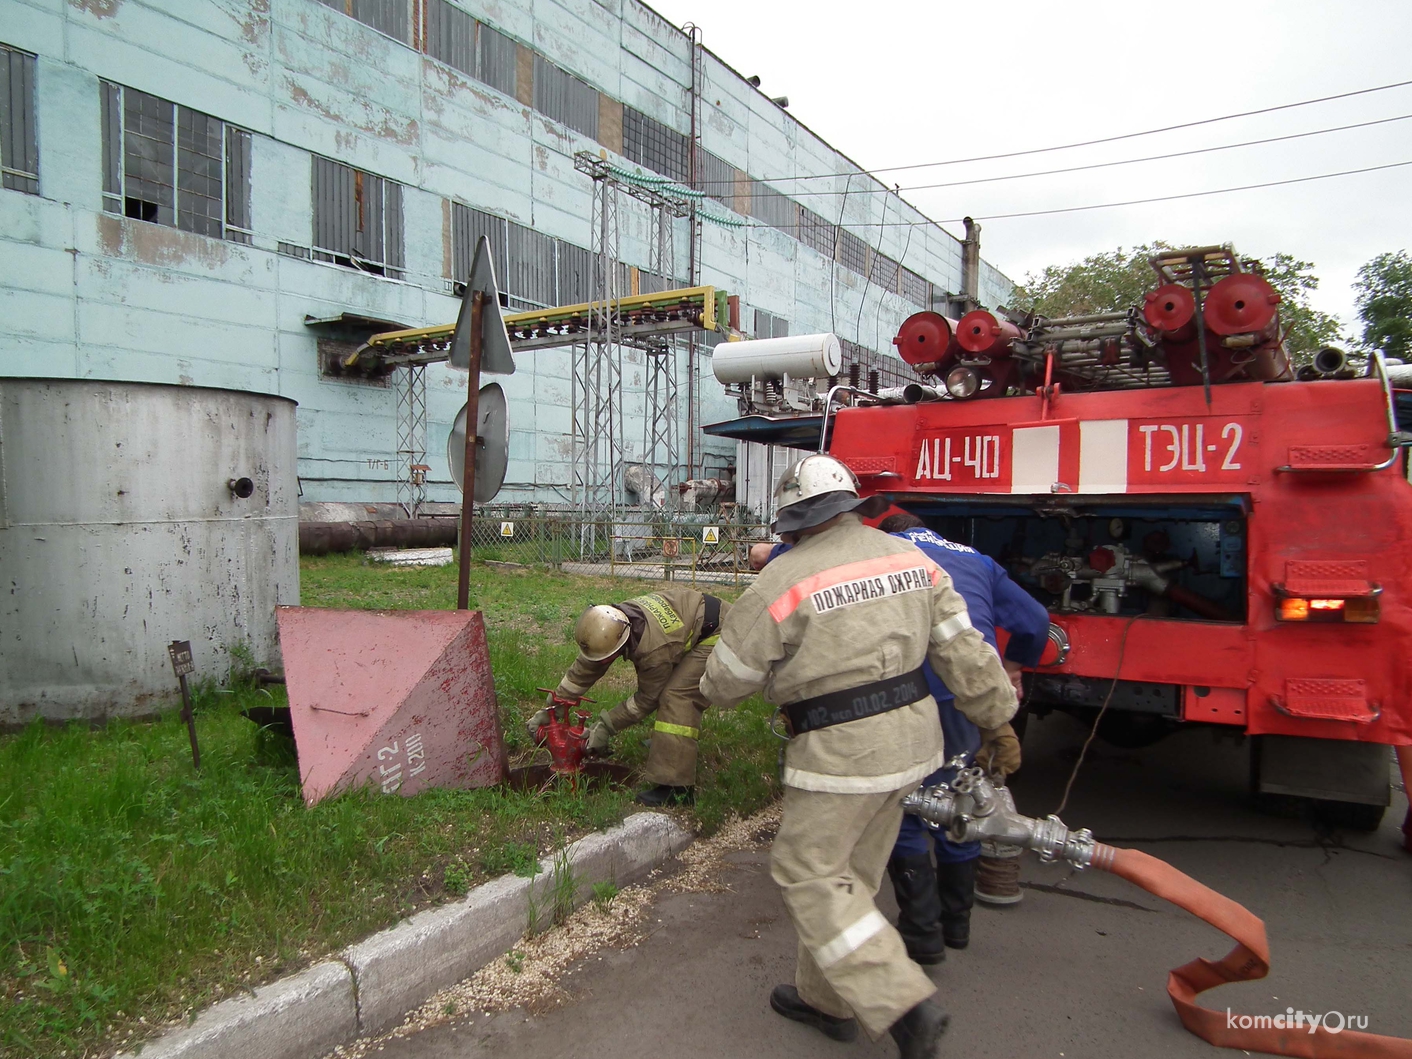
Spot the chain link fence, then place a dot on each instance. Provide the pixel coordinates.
(649, 544)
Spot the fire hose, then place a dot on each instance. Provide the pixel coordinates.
(971, 808)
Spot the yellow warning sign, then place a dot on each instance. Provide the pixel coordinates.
(711, 534)
(507, 529)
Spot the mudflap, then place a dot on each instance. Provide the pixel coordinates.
(1333, 770)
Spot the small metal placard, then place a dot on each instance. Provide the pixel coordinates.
(507, 529)
(711, 534)
(180, 650)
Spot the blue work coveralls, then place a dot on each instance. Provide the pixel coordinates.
(992, 599)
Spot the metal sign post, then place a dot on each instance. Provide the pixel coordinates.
(468, 482)
(182, 664)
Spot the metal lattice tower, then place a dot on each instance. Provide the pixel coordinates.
(410, 385)
(661, 448)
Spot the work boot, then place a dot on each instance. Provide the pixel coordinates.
(956, 888)
(1407, 832)
(918, 1033)
(664, 795)
(785, 1000)
(914, 882)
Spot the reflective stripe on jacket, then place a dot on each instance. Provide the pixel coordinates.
(844, 608)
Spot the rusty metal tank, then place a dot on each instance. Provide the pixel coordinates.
(131, 515)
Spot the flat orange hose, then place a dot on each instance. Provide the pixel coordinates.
(1249, 960)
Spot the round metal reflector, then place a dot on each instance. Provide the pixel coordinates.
(924, 338)
(963, 382)
(493, 448)
(1240, 305)
(1169, 308)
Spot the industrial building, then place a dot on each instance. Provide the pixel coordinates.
(237, 193)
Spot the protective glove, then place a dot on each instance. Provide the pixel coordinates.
(539, 719)
(1000, 751)
(600, 736)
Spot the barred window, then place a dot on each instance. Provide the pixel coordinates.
(884, 272)
(467, 226)
(563, 97)
(496, 57)
(768, 325)
(772, 207)
(393, 17)
(891, 371)
(451, 36)
(852, 252)
(19, 153)
(529, 272)
(715, 177)
(357, 219)
(913, 287)
(816, 233)
(650, 143)
(173, 165)
(575, 268)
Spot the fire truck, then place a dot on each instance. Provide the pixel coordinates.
(1220, 540)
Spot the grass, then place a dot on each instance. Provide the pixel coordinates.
(134, 891)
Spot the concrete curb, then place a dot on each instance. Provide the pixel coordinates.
(374, 982)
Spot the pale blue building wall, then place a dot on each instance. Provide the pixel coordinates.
(88, 294)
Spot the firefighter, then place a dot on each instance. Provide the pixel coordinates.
(667, 635)
(934, 902)
(836, 632)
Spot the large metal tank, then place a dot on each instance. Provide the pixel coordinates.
(132, 515)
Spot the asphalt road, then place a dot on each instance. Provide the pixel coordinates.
(1078, 968)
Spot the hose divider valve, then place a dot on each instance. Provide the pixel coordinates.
(972, 808)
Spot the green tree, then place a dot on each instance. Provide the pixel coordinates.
(1117, 280)
(1384, 300)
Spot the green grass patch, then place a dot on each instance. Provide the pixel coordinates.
(134, 890)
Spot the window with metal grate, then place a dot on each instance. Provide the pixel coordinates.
(913, 287)
(495, 58)
(575, 268)
(852, 252)
(529, 275)
(772, 207)
(451, 36)
(884, 272)
(816, 233)
(173, 165)
(393, 17)
(648, 142)
(715, 177)
(768, 325)
(563, 97)
(357, 219)
(19, 150)
(467, 226)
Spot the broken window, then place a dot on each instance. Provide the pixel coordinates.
(393, 17)
(19, 154)
(173, 165)
(563, 97)
(357, 219)
(648, 142)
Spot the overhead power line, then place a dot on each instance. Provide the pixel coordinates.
(1109, 165)
(1094, 142)
(1113, 205)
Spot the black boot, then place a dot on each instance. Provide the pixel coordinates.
(918, 906)
(918, 1033)
(785, 1000)
(662, 794)
(956, 888)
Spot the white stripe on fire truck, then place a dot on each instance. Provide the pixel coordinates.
(1034, 459)
(1103, 456)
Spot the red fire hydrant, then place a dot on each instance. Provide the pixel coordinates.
(566, 741)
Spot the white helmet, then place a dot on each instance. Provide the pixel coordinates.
(601, 631)
(816, 489)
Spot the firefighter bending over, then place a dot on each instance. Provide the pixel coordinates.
(667, 635)
(837, 630)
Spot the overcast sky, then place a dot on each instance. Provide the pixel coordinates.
(894, 83)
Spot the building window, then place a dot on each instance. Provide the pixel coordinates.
(19, 154)
(563, 97)
(451, 36)
(357, 219)
(650, 143)
(393, 17)
(914, 288)
(884, 272)
(173, 165)
(852, 252)
(575, 274)
(496, 56)
(816, 233)
(777, 210)
(528, 277)
(768, 325)
(715, 177)
(467, 226)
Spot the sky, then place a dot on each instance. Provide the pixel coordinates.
(894, 83)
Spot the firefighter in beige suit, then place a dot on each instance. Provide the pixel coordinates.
(667, 635)
(836, 631)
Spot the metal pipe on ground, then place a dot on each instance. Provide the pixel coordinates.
(320, 538)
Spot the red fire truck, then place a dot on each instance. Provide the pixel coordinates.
(1218, 541)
